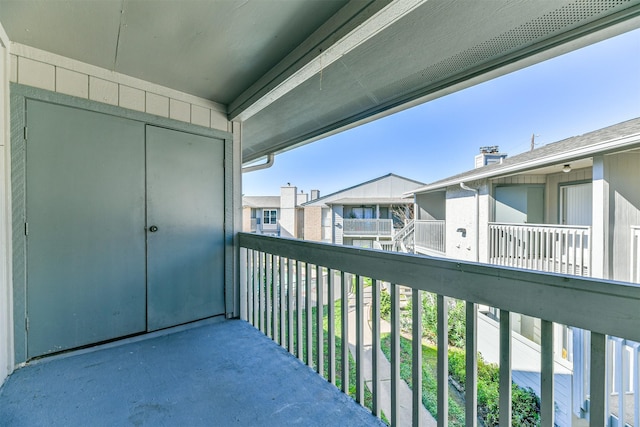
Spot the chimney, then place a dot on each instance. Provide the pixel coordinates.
(489, 155)
(315, 194)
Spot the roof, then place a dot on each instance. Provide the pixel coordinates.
(623, 135)
(261, 201)
(371, 201)
(333, 195)
(293, 71)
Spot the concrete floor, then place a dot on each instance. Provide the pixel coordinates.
(217, 374)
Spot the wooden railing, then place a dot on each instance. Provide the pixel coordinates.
(430, 236)
(278, 277)
(554, 248)
(367, 227)
(634, 262)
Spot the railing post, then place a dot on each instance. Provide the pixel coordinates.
(359, 341)
(299, 338)
(598, 371)
(309, 313)
(547, 406)
(243, 284)
(416, 370)
(505, 369)
(395, 351)
(344, 289)
(471, 368)
(268, 288)
(290, 291)
(283, 286)
(443, 361)
(319, 321)
(375, 346)
(331, 327)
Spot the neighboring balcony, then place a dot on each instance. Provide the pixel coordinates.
(554, 248)
(367, 227)
(430, 236)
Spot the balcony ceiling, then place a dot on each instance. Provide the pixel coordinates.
(296, 70)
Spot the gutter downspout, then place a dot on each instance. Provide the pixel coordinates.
(270, 160)
(476, 216)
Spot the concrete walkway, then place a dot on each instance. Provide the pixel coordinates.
(405, 396)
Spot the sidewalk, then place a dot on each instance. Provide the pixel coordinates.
(405, 398)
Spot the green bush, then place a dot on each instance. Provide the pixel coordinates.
(525, 402)
(385, 305)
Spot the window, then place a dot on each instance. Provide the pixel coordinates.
(269, 216)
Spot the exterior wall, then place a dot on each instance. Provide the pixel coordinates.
(461, 209)
(6, 294)
(287, 212)
(431, 206)
(313, 223)
(623, 174)
(34, 67)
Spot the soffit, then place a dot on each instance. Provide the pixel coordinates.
(439, 47)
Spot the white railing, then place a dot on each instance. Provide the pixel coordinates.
(634, 263)
(554, 248)
(367, 227)
(277, 296)
(430, 235)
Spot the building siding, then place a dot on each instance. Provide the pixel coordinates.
(44, 70)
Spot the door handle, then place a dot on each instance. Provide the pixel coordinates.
(153, 229)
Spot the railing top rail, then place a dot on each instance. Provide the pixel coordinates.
(545, 295)
(569, 226)
(635, 227)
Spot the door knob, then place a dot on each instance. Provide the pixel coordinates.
(153, 229)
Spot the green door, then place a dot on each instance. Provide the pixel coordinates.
(85, 211)
(185, 227)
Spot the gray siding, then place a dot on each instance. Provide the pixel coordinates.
(623, 175)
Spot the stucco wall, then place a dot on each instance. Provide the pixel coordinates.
(313, 223)
(288, 205)
(461, 215)
(37, 68)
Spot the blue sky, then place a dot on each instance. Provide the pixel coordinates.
(569, 95)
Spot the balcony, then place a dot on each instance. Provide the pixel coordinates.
(218, 373)
(553, 248)
(367, 227)
(429, 236)
(283, 282)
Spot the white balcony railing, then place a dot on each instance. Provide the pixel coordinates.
(278, 277)
(635, 254)
(254, 223)
(430, 235)
(367, 227)
(554, 248)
